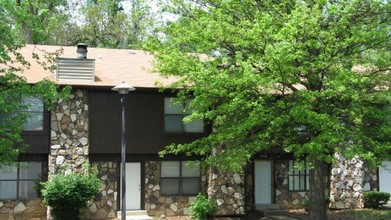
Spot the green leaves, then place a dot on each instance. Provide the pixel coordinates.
(306, 77)
(67, 194)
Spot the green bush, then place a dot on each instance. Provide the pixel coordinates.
(38, 186)
(67, 194)
(202, 208)
(375, 199)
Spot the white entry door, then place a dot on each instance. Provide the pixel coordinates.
(133, 186)
(263, 182)
(385, 177)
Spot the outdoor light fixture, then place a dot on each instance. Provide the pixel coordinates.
(123, 90)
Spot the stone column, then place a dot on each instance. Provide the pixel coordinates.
(69, 134)
(227, 188)
(349, 179)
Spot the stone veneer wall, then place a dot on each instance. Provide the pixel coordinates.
(155, 203)
(69, 133)
(283, 197)
(349, 179)
(228, 190)
(31, 209)
(104, 206)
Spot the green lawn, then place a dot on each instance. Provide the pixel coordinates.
(371, 214)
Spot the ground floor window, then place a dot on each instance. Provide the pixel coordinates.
(18, 182)
(180, 178)
(298, 176)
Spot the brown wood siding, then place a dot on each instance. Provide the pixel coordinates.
(144, 123)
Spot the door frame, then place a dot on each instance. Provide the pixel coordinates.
(272, 188)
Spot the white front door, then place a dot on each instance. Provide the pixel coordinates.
(385, 177)
(263, 182)
(133, 186)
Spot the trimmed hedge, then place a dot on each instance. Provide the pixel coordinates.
(375, 200)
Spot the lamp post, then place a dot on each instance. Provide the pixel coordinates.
(123, 90)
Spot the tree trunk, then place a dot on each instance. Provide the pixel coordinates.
(317, 206)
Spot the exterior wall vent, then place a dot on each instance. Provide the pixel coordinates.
(75, 69)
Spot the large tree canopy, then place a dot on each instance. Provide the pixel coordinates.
(14, 87)
(309, 77)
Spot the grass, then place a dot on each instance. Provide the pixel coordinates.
(372, 214)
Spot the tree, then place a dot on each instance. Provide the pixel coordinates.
(108, 23)
(36, 20)
(13, 87)
(309, 77)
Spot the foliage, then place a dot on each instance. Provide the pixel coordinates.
(99, 23)
(375, 199)
(12, 119)
(373, 214)
(67, 194)
(107, 23)
(35, 20)
(311, 78)
(202, 208)
(13, 86)
(38, 187)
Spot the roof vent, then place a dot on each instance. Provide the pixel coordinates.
(78, 69)
(82, 51)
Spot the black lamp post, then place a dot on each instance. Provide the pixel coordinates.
(123, 90)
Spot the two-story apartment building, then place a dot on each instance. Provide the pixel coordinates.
(87, 127)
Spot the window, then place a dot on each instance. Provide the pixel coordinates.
(34, 110)
(18, 182)
(298, 179)
(178, 178)
(173, 118)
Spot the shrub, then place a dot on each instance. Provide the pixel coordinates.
(375, 199)
(67, 194)
(202, 208)
(38, 186)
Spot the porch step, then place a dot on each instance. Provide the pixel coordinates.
(135, 215)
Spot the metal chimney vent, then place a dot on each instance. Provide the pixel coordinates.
(82, 51)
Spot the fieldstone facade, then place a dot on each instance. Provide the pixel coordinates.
(69, 134)
(157, 204)
(228, 189)
(32, 209)
(349, 179)
(283, 197)
(104, 205)
(234, 192)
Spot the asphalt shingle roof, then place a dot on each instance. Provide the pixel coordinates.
(112, 66)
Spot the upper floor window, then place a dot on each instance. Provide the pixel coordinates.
(33, 107)
(298, 178)
(19, 182)
(173, 118)
(178, 178)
